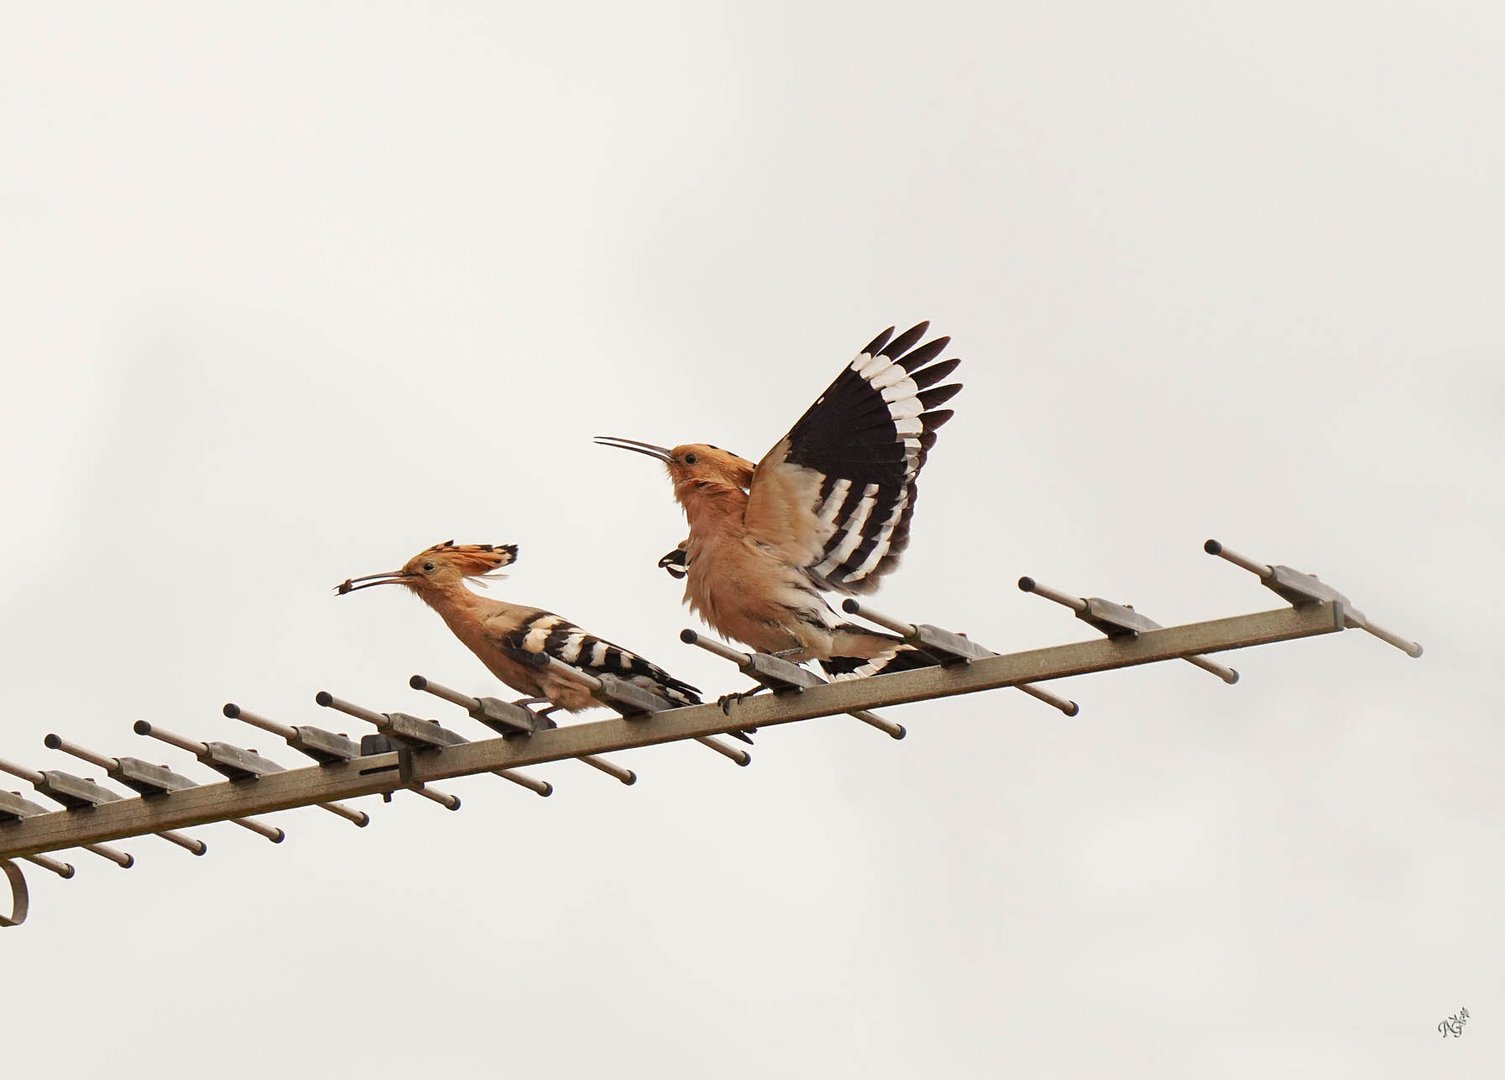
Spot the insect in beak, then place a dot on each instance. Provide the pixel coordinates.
(388, 577)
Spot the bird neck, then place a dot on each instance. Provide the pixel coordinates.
(454, 602)
(710, 499)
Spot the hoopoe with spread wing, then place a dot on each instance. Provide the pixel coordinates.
(502, 635)
(828, 508)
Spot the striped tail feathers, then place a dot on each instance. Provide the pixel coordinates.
(548, 633)
(900, 658)
(655, 678)
(852, 461)
(885, 654)
(650, 676)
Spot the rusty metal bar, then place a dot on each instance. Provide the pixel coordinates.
(114, 855)
(375, 774)
(271, 832)
(283, 731)
(1118, 620)
(187, 843)
(487, 712)
(75, 793)
(1301, 588)
(61, 869)
(239, 765)
(612, 697)
(20, 901)
(57, 742)
(777, 673)
(159, 781)
(21, 772)
(404, 728)
(1258, 569)
(949, 647)
(444, 799)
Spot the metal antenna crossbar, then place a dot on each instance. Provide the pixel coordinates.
(631, 701)
(13, 807)
(77, 793)
(1301, 589)
(239, 764)
(414, 733)
(508, 720)
(1117, 620)
(146, 779)
(412, 753)
(780, 676)
(949, 648)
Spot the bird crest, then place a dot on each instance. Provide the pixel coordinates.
(475, 560)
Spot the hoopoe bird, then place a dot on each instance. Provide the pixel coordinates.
(502, 635)
(828, 508)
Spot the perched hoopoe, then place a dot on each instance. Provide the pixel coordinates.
(827, 508)
(502, 634)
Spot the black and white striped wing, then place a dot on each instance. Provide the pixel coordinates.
(548, 633)
(837, 493)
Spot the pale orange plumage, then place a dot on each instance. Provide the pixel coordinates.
(828, 507)
(502, 634)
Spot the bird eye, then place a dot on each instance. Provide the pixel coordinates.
(428, 567)
(691, 459)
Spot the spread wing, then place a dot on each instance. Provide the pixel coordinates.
(836, 494)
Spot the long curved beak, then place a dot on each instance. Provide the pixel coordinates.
(635, 446)
(389, 577)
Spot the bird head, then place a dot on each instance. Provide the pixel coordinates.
(440, 567)
(692, 463)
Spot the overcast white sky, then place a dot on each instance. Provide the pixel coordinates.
(288, 293)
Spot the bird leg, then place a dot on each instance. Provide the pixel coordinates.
(677, 562)
(539, 714)
(727, 700)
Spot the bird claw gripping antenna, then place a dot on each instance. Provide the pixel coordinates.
(411, 753)
(779, 675)
(949, 649)
(632, 702)
(509, 720)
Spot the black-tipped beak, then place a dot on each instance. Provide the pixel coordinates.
(635, 446)
(389, 577)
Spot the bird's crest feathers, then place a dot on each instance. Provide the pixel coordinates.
(472, 560)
